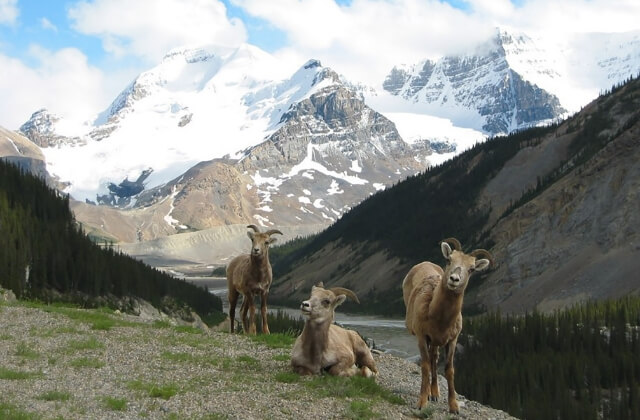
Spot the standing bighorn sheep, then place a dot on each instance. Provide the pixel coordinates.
(250, 274)
(325, 346)
(433, 298)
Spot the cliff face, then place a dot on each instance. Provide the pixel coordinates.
(578, 240)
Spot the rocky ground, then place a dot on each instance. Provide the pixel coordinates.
(64, 363)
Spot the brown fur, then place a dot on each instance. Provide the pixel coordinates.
(324, 346)
(433, 299)
(250, 275)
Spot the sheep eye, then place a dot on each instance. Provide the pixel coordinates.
(472, 269)
(326, 302)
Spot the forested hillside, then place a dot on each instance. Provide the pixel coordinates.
(581, 363)
(573, 184)
(44, 253)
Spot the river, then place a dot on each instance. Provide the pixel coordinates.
(388, 335)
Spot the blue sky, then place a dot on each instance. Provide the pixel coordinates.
(72, 55)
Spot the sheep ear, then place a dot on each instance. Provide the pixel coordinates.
(272, 240)
(339, 300)
(320, 284)
(250, 234)
(482, 264)
(446, 250)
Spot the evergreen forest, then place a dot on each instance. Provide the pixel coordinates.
(44, 254)
(579, 363)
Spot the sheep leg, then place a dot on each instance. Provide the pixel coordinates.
(450, 348)
(252, 316)
(263, 312)
(344, 367)
(243, 312)
(233, 300)
(433, 355)
(364, 359)
(302, 370)
(425, 365)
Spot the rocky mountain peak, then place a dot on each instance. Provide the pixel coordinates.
(481, 82)
(41, 129)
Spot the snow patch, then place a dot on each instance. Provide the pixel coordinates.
(262, 221)
(334, 188)
(14, 146)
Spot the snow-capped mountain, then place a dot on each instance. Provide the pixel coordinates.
(213, 137)
(514, 81)
(479, 90)
(204, 140)
(328, 152)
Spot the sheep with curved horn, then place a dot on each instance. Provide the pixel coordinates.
(325, 346)
(433, 298)
(251, 275)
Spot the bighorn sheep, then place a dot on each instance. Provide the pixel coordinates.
(325, 346)
(250, 274)
(433, 298)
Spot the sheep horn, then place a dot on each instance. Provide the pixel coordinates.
(254, 227)
(272, 231)
(483, 253)
(454, 242)
(342, 291)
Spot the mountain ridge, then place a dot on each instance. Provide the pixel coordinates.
(548, 236)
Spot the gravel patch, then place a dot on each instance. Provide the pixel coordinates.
(55, 366)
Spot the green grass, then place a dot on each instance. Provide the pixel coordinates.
(154, 391)
(11, 412)
(86, 362)
(359, 409)
(287, 377)
(55, 396)
(353, 387)
(25, 351)
(103, 324)
(91, 343)
(14, 375)
(187, 329)
(100, 319)
(276, 340)
(161, 324)
(248, 361)
(5, 337)
(115, 404)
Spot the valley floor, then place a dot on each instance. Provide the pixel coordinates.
(63, 363)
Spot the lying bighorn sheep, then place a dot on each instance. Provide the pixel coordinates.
(324, 346)
(433, 298)
(250, 274)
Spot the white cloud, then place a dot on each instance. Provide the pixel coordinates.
(62, 81)
(46, 24)
(150, 28)
(9, 11)
(365, 38)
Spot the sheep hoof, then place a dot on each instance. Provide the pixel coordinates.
(433, 398)
(453, 408)
(368, 373)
